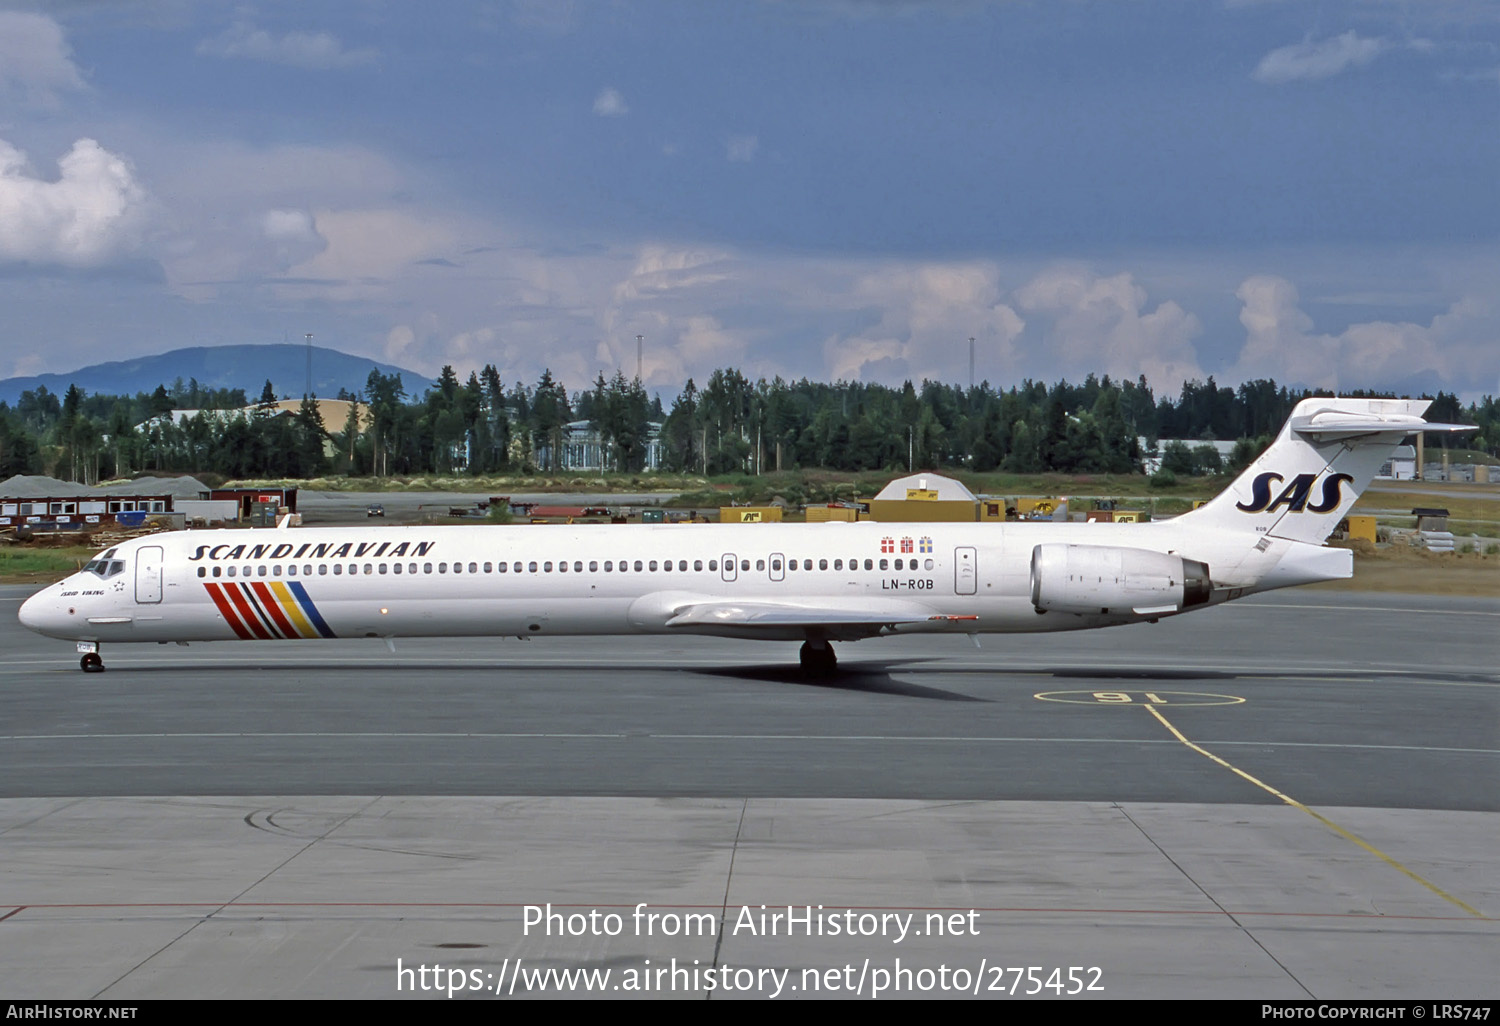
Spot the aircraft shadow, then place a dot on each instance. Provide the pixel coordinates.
(868, 677)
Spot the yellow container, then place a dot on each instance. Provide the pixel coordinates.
(923, 510)
(1360, 527)
(831, 514)
(749, 514)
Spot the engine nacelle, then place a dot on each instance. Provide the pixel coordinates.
(1104, 579)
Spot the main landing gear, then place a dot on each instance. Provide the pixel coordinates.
(818, 658)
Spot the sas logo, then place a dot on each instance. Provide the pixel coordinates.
(1295, 495)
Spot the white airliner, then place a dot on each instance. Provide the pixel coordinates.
(813, 583)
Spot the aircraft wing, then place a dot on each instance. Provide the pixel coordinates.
(845, 619)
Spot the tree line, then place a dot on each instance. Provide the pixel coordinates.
(729, 425)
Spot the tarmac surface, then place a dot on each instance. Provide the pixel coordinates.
(1290, 797)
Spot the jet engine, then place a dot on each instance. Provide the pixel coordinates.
(1105, 579)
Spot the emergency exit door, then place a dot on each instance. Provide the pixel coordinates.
(965, 571)
(148, 574)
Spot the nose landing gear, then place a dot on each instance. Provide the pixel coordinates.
(91, 663)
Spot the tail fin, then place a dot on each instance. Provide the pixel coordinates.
(1326, 454)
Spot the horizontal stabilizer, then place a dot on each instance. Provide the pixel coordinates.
(1329, 424)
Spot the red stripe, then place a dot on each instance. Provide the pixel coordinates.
(248, 591)
(251, 620)
(226, 611)
(269, 603)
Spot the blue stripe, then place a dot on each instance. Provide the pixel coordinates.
(310, 609)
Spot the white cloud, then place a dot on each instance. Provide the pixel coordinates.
(366, 248)
(926, 314)
(91, 214)
(240, 214)
(35, 60)
(318, 51)
(741, 148)
(662, 269)
(1310, 60)
(1459, 349)
(610, 104)
(1101, 325)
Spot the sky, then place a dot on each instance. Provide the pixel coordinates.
(836, 189)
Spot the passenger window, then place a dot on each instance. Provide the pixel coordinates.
(898, 565)
(760, 564)
(442, 568)
(609, 566)
(202, 571)
(775, 564)
(697, 564)
(338, 569)
(353, 568)
(382, 568)
(667, 566)
(486, 568)
(502, 567)
(578, 566)
(231, 571)
(562, 567)
(713, 565)
(838, 564)
(883, 563)
(547, 567)
(532, 567)
(869, 564)
(653, 565)
(682, 565)
(396, 567)
(322, 569)
(822, 564)
(276, 570)
(927, 563)
(593, 566)
(638, 566)
(516, 568)
(216, 571)
(291, 571)
(369, 568)
(427, 568)
(458, 568)
(411, 568)
(745, 564)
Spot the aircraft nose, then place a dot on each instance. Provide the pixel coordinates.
(35, 611)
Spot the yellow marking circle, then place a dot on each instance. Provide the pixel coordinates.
(1138, 698)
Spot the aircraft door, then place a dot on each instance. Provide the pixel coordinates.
(728, 566)
(778, 566)
(148, 574)
(965, 571)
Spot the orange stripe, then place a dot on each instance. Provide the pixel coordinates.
(269, 604)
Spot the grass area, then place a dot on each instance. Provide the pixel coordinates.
(29, 564)
(1478, 502)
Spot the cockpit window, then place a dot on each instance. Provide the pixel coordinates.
(104, 567)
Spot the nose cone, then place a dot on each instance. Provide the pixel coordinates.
(39, 612)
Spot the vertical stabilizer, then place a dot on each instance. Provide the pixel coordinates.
(1325, 455)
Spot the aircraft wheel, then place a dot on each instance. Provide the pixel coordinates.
(818, 658)
(92, 663)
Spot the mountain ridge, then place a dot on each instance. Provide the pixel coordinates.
(246, 366)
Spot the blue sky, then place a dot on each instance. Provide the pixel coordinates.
(829, 188)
